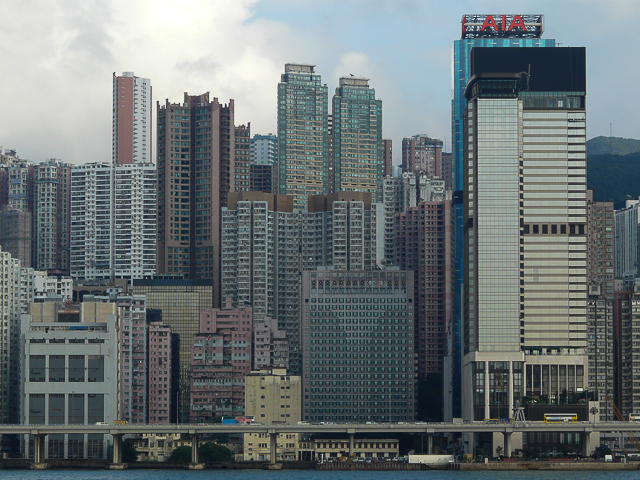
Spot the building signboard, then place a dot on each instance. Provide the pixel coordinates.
(487, 26)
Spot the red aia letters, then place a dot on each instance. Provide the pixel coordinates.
(489, 22)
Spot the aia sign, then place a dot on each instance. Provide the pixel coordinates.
(474, 26)
(489, 22)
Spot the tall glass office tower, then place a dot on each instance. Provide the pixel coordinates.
(477, 31)
(525, 223)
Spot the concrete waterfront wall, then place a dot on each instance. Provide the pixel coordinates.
(376, 466)
(543, 465)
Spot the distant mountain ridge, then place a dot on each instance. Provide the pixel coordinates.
(614, 178)
(613, 169)
(612, 146)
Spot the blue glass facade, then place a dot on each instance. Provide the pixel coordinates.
(460, 69)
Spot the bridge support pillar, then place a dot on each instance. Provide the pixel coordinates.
(351, 445)
(117, 448)
(38, 451)
(586, 444)
(195, 452)
(273, 437)
(507, 444)
(429, 443)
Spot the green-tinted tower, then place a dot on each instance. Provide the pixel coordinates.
(357, 137)
(303, 142)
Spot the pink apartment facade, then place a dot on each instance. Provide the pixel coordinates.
(159, 373)
(220, 360)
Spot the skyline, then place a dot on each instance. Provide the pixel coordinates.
(58, 86)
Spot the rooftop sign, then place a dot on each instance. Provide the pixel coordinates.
(491, 26)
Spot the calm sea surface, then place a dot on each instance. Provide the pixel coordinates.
(307, 475)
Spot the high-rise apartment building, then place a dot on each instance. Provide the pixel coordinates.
(15, 234)
(113, 221)
(397, 194)
(264, 149)
(264, 161)
(447, 170)
(422, 154)
(40, 192)
(132, 111)
(343, 230)
(133, 354)
(387, 157)
(424, 246)
(46, 288)
(266, 244)
(220, 360)
(601, 324)
(260, 262)
(160, 392)
(357, 137)
(242, 158)
(16, 284)
(270, 345)
(16, 207)
(52, 216)
(196, 172)
(20, 184)
(495, 31)
(303, 142)
(627, 221)
(525, 329)
(358, 347)
(626, 357)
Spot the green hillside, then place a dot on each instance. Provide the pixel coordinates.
(612, 146)
(614, 178)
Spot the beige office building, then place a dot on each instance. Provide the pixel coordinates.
(272, 396)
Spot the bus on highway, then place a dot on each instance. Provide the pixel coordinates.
(634, 417)
(560, 418)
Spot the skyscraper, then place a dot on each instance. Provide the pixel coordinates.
(303, 143)
(524, 331)
(52, 216)
(358, 346)
(357, 137)
(261, 260)
(196, 172)
(40, 194)
(113, 221)
(242, 158)
(131, 119)
(494, 31)
(424, 246)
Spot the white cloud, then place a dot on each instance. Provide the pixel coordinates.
(58, 57)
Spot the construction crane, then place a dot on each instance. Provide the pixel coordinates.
(619, 416)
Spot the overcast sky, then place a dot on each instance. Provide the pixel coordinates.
(57, 58)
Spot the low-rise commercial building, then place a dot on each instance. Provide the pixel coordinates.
(272, 396)
(70, 374)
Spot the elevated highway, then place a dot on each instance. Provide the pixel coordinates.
(39, 432)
